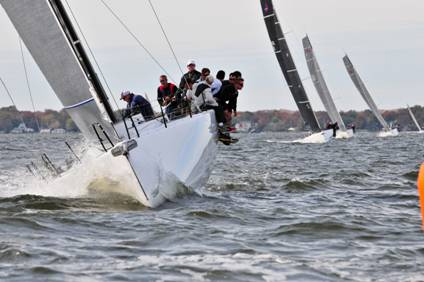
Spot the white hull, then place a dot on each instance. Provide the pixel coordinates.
(344, 134)
(389, 133)
(165, 162)
(317, 138)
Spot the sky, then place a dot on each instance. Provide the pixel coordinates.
(384, 40)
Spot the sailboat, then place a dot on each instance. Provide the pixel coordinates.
(387, 130)
(322, 89)
(415, 120)
(130, 150)
(288, 67)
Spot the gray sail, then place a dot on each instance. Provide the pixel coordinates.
(52, 42)
(321, 85)
(284, 57)
(414, 119)
(364, 91)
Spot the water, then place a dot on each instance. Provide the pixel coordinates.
(272, 211)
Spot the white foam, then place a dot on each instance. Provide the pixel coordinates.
(266, 265)
(389, 133)
(97, 174)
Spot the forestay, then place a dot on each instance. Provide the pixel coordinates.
(54, 49)
(364, 91)
(321, 85)
(287, 65)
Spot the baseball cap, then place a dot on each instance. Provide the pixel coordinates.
(125, 94)
(190, 62)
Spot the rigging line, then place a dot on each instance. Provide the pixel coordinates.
(92, 54)
(136, 39)
(27, 81)
(166, 37)
(11, 99)
(8, 93)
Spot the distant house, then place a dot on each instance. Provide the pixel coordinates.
(53, 131)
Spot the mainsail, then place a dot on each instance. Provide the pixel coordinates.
(48, 34)
(364, 91)
(321, 85)
(414, 119)
(287, 65)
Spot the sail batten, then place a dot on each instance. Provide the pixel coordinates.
(364, 92)
(42, 31)
(321, 85)
(287, 65)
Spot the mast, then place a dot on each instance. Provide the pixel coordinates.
(414, 119)
(75, 42)
(48, 34)
(364, 91)
(320, 84)
(287, 65)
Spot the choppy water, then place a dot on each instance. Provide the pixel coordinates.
(272, 211)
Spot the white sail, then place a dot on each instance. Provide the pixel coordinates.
(364, 92)
(43, 35)
(321, 85)
(414, 119)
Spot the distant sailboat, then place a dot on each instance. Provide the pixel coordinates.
(288, 67)
(415, 120)
(322, 89)
(387, 131)
(136, 152)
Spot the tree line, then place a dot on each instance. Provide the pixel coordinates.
(282, 120)
(10, 118)
(270, 120)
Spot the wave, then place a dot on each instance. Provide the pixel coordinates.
(411, 175)
(301, 185)
(8, 254)
(93, 201)
(330, 227)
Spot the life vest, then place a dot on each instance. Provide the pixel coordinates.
(171, 89)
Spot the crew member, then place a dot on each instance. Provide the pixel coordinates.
(137, 104)
(201, 98)
(227, 96)
(192, 73)
(334, 127)
(217, 83)
(168, 95)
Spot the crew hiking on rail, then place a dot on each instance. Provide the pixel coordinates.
(196, 92)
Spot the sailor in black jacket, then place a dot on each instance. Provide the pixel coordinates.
(192, 74)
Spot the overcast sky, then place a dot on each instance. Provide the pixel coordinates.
(384, 39)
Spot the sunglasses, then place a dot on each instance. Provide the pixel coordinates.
(162, 80)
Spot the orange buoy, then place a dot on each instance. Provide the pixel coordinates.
(421, 192)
